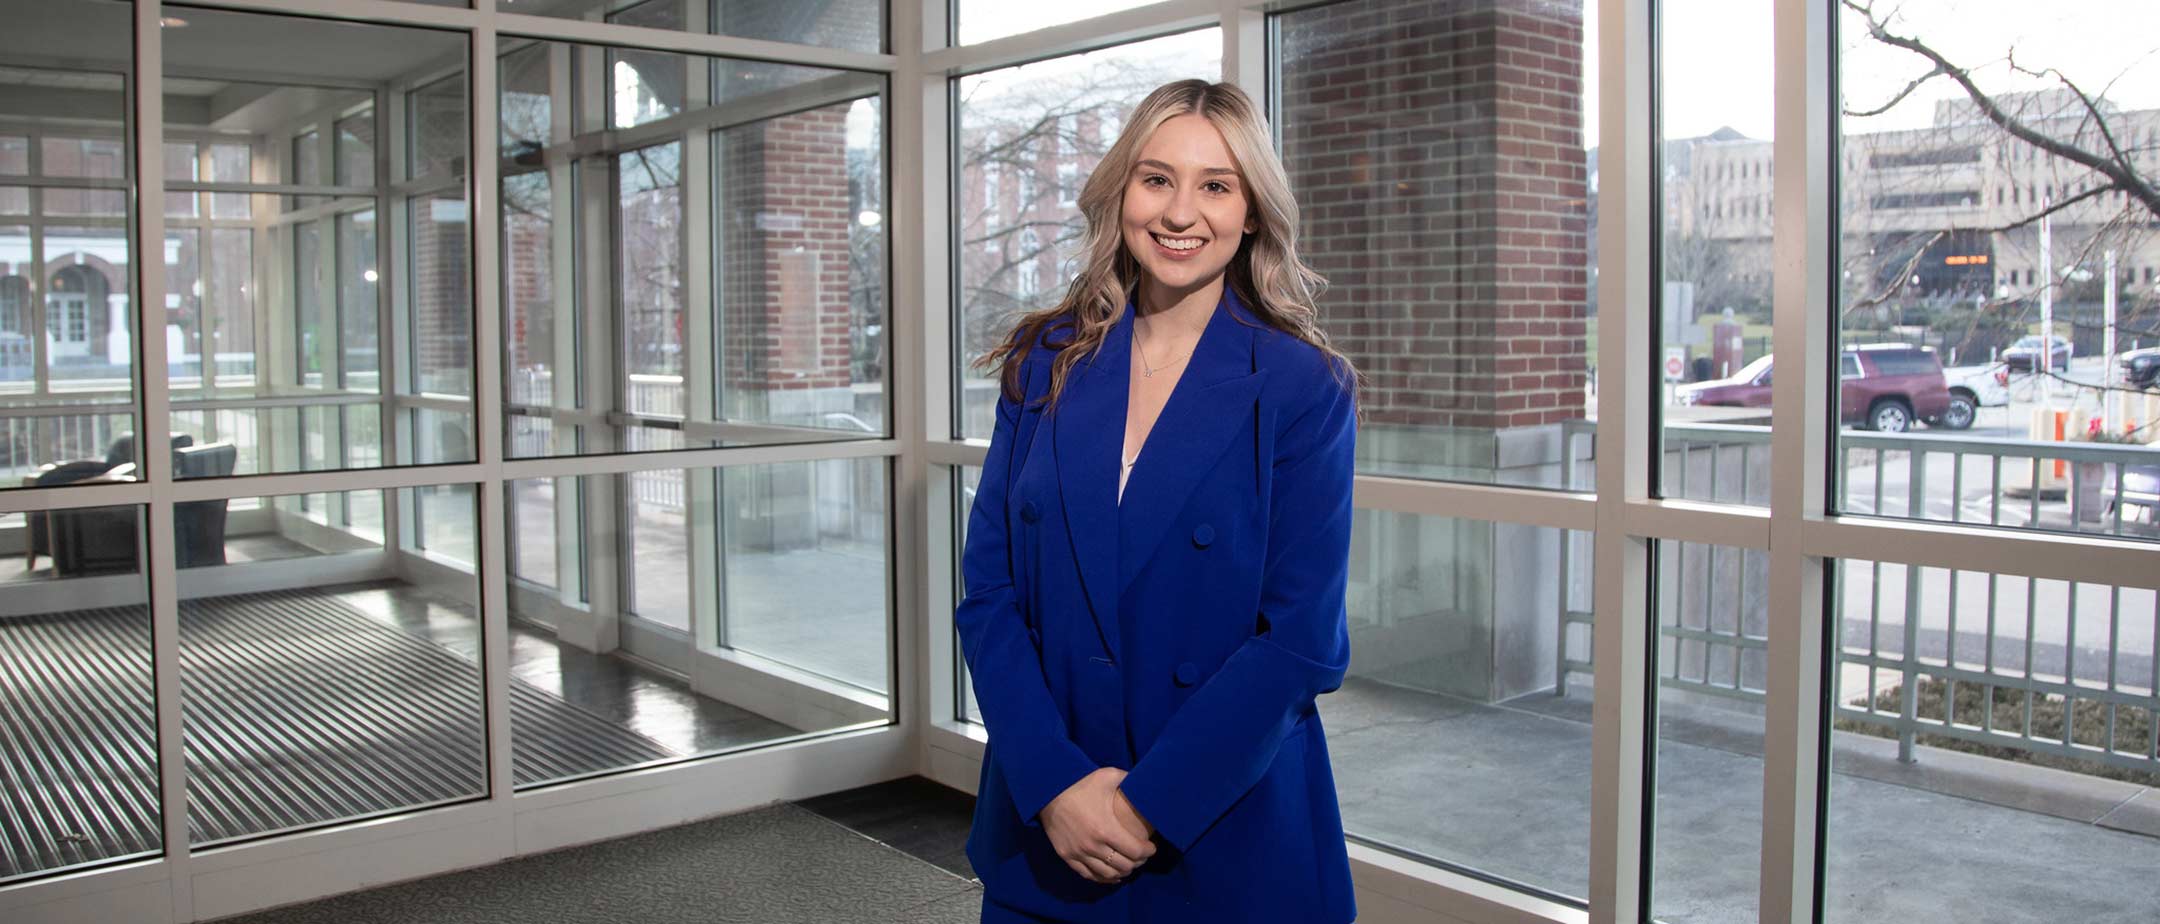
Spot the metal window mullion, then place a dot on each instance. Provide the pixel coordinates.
(484, 240)
(918, 158)
(1244, 54)
(698, 271)
(40, 350)
(1795, 746)
(148, 104)
(1624, 627)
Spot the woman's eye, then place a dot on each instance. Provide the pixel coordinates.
(1154, 179)
(1218, 187)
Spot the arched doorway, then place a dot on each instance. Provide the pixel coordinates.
(74, 305)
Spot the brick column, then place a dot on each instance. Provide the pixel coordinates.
(784, 270)
(1437, 150)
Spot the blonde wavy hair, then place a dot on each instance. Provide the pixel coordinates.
(1265, 273)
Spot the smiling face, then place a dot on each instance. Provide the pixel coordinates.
(1185, 210)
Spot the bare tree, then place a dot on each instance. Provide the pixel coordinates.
(1025, 149)
(2083, 136)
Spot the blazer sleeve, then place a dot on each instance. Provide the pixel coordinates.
(1027, 732)
(1223, 738)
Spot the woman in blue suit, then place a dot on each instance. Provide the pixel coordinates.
(1157, 555)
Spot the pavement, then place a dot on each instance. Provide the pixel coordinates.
(1505, 790)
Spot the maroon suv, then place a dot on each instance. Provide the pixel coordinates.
(1884, 387)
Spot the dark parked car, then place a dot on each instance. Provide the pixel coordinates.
(2024, 355)
(2141, 368)
(1882, 387)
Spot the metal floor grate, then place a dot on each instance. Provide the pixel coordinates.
(300, 709)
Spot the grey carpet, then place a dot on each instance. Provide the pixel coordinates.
(300, 709)
(776, 865)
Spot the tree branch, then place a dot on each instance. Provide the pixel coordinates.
(1900, 97)
(2117, 173)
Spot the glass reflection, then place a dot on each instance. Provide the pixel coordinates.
(77, 694)
(722, 281)
(671, 606)
(310, 321)
(67, 305)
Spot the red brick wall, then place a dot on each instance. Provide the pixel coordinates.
(1437, 151)
(784, 183)
(442, 295)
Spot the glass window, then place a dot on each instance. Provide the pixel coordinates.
(307, 167)
(806, 580)
(231, 313)
(356, 149)
(733, 292)
(719, 599)
(855, 25)
(182, 320)
(436, 113)
(1714, 102)
(441, 322)
(88, 324)
(1467, 313)
(1004, 116)
(14, 155)
(545, 534)
(983, 20)
(1468, 638)
(315, 327)
(969, 476)
(649, 210)
(80, 714)
(397, 727)
(1711, 662)
(2004, 719)
(180, 164)
(358, 308)
(646, 85)
(230, 163)
(309, 305)
(2034, 425)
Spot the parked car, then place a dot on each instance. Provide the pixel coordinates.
(2141, 368)
(2139, 487)
(2024, 355)
(1882, 387)
(1973, 388)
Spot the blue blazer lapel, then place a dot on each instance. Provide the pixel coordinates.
(1210, 404)
(1087, 434)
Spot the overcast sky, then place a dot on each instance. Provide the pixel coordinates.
(1718, 53)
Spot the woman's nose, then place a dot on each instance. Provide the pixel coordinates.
(1181, 213)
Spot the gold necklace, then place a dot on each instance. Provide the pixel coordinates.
(1146, 368)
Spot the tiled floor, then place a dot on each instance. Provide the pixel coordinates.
(916, 816)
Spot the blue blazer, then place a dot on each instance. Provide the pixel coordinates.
(1181, 635)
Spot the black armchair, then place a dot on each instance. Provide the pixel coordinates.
(120, 452)
(199, 526)
(107, 539)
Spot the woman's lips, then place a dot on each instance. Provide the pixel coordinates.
(1172, 252)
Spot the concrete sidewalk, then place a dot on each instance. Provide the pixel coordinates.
(1505, 790)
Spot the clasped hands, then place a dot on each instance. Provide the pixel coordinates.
(1096, 830)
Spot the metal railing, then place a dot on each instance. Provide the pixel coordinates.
(2037, 655)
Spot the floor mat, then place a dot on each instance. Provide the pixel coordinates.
(300, 709)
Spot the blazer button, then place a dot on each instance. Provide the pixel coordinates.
(1203, 535)
(1186, 674)
(1028, 512)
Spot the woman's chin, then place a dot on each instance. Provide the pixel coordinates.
(1179, 277)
